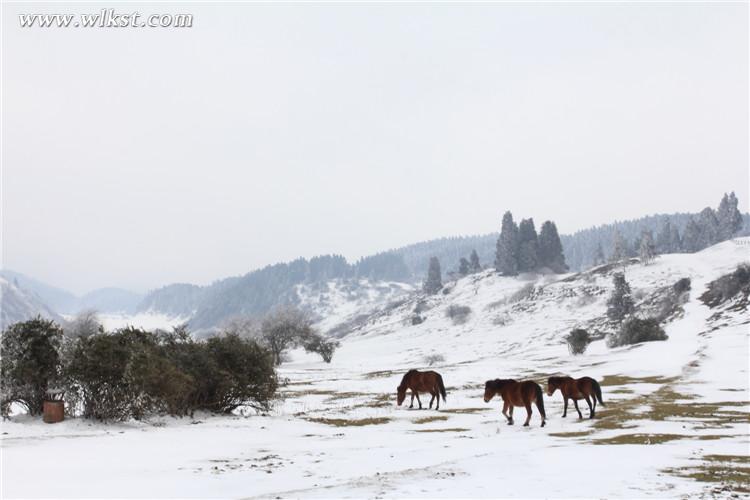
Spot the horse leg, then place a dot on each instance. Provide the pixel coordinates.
(437, 399)
(565, 411)
(593, 402)
(419, 400)
(505, 413)
(575, 402)
(431, 400)
(591, 408)
(528, 414)
(412, 400)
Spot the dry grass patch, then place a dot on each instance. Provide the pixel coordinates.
(426, 420)
(347, 422)
(449, 429)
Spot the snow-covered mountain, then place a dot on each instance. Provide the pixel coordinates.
(20, 304)
(674, 424)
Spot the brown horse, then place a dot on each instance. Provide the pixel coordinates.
(418, 382)
(516, 393)
(583, 388)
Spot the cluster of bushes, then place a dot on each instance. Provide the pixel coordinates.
(729, 286)
(458, 314)
(636, 330)
(133, 373)
(578, 340)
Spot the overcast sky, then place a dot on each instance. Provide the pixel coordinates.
(140, 157)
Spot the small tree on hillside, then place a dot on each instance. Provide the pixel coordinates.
(463, 267)
(434, 281)
(599, 255)
(289, 327)
(647, 250)
(474, 264)
(620, 303)
(506, 252)
(528, 246)
(550, 249)
(85, 324)
(619, 248)
(729, 216)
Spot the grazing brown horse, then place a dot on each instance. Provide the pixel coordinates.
(516, 393)
(583, 388)
(418, 382)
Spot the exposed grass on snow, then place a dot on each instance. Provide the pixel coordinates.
(347, 422)
(426, 420)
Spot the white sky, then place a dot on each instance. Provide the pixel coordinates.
(137, 158)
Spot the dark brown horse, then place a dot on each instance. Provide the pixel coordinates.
(417, 382)
(516, 393)
(583, 388)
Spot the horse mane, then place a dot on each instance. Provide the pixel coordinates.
(406, 376)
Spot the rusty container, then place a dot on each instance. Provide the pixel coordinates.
(54, 411)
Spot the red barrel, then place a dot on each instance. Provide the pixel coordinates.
(54, 411)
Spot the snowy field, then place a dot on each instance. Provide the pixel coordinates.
(675, 421)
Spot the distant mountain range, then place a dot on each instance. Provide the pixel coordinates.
(258, 291)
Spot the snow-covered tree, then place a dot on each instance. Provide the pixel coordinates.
(729, 216)
(506, 254)
(474, 264)
(647, 250)
(434, 281)
(550, 249)
(599, 255)
(620, 303)
(528, 246)
(463, 267)
(619, 248)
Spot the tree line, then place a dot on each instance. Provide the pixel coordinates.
(135, 373)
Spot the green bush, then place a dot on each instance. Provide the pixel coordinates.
(30, 363)
(578, 340)
(637, 330)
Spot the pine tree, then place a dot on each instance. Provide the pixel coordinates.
(709, 228)
(620, 303)
(474, 264)
(619, 248)
(506, 254)
(729, 217)
(463, 267)
(664, 239)
(691, 237)
(647, 248)
(599, 255)
(550, 249)
(434, 281)
(528, 246)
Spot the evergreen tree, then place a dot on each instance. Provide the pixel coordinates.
(668, 238)
(528, 246)
(647, 249)
(474, 264)
(599, 255)
(691, 237)
(550, 249)
(709, 228)
(506, 254)
(729, 217)
(434, 281)
(620, 303)
(463, 267)
(619, 248)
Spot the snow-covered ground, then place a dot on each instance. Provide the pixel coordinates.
(676, 420)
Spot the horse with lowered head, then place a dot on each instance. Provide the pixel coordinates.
(582, 388)
(417, 382)
(516, 393)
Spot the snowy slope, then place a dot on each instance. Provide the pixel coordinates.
(675, 421)
(19, 304)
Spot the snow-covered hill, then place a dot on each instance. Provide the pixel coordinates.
(675, 421)
(20, 304)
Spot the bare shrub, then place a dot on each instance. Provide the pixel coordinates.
(578, 340)
(432, 359)
(458, 314)
(522, 293)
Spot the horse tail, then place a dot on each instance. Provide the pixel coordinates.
(441, 386)
(597, 391)
(540, 400)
